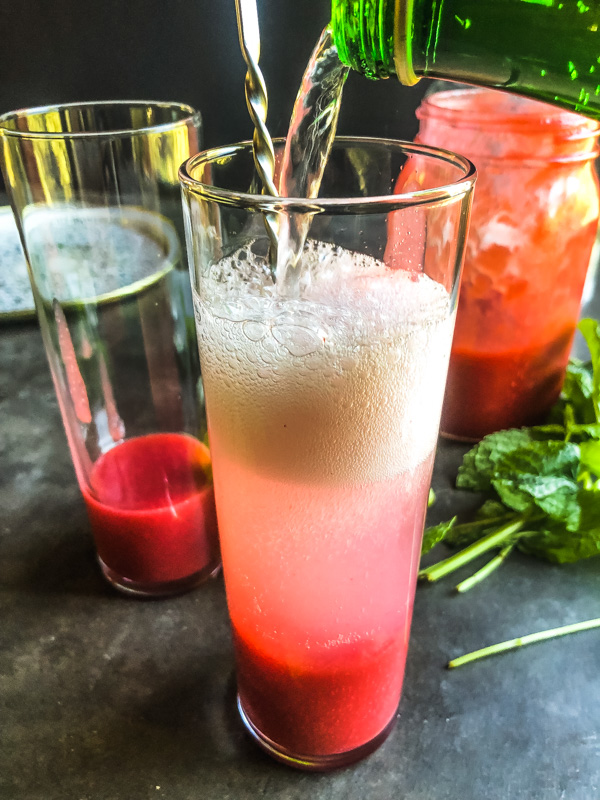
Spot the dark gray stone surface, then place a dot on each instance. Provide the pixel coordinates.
(106, 698)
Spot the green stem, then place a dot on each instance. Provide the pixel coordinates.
(486, 570)
(486, 522)
(558, 429)
(473, 551)
(521, 641)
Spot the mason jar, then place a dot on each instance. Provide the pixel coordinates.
(534, 222)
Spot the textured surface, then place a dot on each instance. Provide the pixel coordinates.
(106, 698)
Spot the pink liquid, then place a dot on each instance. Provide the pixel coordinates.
(151, 508)
(320, 586)
(323, 423)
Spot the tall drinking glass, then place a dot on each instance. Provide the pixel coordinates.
(323, 394)
(96, 197)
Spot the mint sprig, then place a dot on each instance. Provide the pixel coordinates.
(541, 487)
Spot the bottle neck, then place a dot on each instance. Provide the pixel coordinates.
(537, 48)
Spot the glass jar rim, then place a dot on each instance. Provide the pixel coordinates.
(505, 110)
(187, 115)
(333, 205)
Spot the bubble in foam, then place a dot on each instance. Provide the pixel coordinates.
(255, 331)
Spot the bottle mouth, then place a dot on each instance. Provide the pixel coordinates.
(364, 35)
(473, 107)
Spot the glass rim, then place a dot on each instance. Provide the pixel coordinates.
(189, 114)
(446, 192)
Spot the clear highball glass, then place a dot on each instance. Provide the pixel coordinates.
(96, 198)
(323, 393)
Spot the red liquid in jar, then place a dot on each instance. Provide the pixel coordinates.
(151, 508)
(505, 389)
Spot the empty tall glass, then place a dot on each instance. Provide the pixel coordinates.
(96, 197)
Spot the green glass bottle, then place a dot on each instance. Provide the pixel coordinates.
(545, 49)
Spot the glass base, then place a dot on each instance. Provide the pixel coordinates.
(166, 589)
(318, 763)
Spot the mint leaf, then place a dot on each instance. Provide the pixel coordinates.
(491, 508)
(527, 475)
(553, 542)
(578, 385)
(480, 463)
(556, 497)
(592, 430)
(590, 330)
(576, 403)
(435, 534)
(540, 458)
(590, 457)
(541, 477)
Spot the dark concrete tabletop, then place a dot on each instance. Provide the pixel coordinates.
(108, 698)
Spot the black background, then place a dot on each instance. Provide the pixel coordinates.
(61, 51)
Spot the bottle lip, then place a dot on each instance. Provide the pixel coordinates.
(470, 108)
(362, 37)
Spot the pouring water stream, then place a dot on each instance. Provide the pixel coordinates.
(308, 143)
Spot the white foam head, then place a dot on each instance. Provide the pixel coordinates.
(344, 383)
